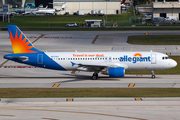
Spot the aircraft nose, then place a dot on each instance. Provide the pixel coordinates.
(174, 63)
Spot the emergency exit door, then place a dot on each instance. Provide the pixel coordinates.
(153, 58)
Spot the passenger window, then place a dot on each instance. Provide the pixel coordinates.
(110, 59)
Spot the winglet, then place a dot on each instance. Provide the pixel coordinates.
(19, 41)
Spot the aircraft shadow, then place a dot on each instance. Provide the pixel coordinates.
(75, 77)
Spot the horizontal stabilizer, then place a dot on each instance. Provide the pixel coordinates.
(22, 58)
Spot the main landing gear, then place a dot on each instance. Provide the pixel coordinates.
(95, 76)
(153, 75)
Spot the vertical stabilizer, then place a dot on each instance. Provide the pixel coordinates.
(19, 41)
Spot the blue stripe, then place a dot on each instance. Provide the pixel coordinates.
(33, 60)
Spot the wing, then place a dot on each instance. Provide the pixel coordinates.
(98, 67)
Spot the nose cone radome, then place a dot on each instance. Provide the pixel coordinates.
(171, 64)
(174, 63)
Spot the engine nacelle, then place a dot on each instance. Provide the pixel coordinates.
(114, 72)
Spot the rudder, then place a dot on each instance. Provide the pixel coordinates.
(19, 41)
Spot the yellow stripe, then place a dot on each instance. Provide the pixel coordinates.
(168, 53)
(131, 85)
(56, 85)
(138, 99)
(3, 63)
(38, 38)
(93, 42)
(139, 75)
(73, 72)
(69, 99)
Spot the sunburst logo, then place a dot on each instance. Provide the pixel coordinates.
(137, 55)
(21, 45)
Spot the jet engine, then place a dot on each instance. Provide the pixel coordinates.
(116, 72)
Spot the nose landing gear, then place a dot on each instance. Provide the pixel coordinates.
(153, 75)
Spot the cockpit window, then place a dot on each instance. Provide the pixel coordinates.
(165, 58)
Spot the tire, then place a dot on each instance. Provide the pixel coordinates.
(153, 76)
(94, 77)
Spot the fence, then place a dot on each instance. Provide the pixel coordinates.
(138, 21)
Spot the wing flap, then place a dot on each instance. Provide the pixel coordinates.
(98, 67)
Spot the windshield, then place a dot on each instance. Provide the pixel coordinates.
(166, 57)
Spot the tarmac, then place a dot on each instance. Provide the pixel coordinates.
(42, 78)
(92, 110)
(15, 75)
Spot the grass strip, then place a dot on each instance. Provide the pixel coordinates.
(62, 20)
(46, 22)
(88, 92)
(175, 70)
(154, 40)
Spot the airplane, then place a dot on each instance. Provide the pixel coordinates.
(19, 11)
(113, 64)
(48, 10)
(123, 1)
(38, 10)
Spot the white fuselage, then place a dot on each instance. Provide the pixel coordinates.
(128, 60)
(44, 11)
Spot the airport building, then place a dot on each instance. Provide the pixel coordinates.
(16, 3)
(89, 6)
(166, 9)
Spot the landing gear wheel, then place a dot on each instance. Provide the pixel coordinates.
(153, 76)
(95, 76)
